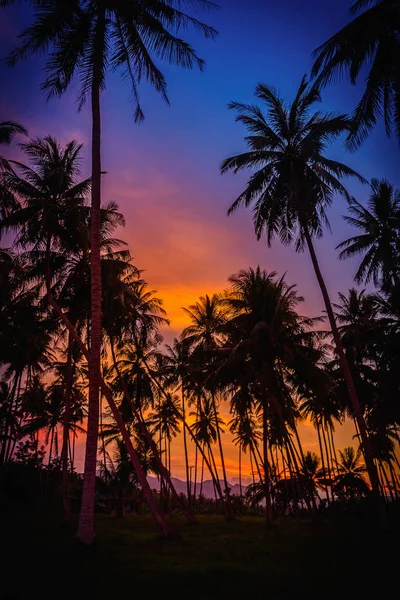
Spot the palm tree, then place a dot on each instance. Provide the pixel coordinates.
(165, 421)
(349, 480)
(368, 44)
(266, 335)
(293, 185)
(8, 129)
(312, 473)
(379, 238)
(176, 370)
(85, 38)
(204, 335)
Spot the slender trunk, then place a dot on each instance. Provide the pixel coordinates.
(185, 449)
(394, 480)
(64, 450)
(366, 445)
(327, 458)
(142, 479)
(215, 477)
(149, 439)
(85, 531)
(323, 462)
(103, 442)
(12, 439)
(240, 471)
(221, 453)
(268, 510)
(7, 428)
(190, 432)
(334, 448)
(196, 458)
(51, 446)
(201, 476)
(386, 478)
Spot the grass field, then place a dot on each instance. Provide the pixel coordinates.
(214, 559)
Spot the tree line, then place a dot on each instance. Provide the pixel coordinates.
(77, 315)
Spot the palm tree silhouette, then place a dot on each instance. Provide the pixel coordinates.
(369, 43)
(293, 185)
(379, 240)
(349, 480)
(85, 38)
(204, 336)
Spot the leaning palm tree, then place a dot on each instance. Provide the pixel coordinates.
(85, 38)
(292, 188)
(370, 45)
(379, 240)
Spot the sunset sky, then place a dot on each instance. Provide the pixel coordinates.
(164, 174)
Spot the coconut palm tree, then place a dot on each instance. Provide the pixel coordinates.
(85, 38)
(176, 370)
(350, 481)
(50, 195)
(204, 336)
(8, 130)
(367, 47)
(290, 191)
(267, 335)
(379, 240)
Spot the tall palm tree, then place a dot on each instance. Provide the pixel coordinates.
(368, 45)
(176, 370)
(379, 240)
(204, 335)
(85, 38)
(267, 335)
(292, 188)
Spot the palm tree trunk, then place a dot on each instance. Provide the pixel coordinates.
(142, 479)
(323, 461)
(201, 476)
(196, 459)
(185, 448)
(240, 471)
(230, 514)
(67, 412)
(327, 457)
(85, 531)
(366, 445)
(190, 432)
(149, 439)
(268, 511)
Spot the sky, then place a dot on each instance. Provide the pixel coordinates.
(164, 174)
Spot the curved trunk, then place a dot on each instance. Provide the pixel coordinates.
(366, 445)
(133, 455)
